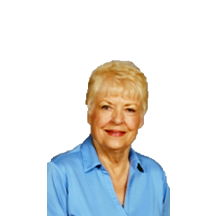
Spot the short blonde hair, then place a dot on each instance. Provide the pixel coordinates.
(118, 75)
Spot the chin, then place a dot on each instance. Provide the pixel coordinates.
(116, 145)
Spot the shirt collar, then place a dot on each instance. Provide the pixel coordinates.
(89, 155)
(135, 161)
(91, 160)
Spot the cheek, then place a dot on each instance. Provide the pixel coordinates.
(133, 123)
(101, 120)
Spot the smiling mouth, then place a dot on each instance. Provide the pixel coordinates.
(115, 133)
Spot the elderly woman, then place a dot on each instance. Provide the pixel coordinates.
(104, 176)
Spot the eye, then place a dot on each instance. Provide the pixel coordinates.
(130, 110)
(105, 107)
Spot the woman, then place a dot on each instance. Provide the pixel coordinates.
(104, 176)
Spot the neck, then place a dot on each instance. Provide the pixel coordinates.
(115, 161)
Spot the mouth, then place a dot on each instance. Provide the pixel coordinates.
(115, 133)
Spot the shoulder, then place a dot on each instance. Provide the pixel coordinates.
(67, 158)
(149, 165)
(153, 170)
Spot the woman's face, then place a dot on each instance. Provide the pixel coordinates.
(114, 122)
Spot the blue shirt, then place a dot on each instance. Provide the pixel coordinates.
(79, 185)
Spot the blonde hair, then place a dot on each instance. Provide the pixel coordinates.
(118, 75)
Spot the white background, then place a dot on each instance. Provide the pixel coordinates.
(48, 50)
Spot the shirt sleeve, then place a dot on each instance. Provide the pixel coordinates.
(166, 200)
(56, 191)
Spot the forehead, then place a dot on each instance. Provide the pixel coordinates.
(115, 95)
(116, 101)
(118, 88)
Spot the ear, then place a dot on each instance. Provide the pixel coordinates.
(141, 121)
(89, 119)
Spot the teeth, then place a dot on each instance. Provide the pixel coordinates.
(115, 132)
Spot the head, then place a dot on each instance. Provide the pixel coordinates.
(117, 100)
(118, 78)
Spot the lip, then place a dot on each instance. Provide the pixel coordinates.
(115, 133)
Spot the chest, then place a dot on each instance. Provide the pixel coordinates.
(120, 187)
(99, 194)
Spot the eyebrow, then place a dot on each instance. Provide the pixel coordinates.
(131, 104)
(106, 102)
(128, 104)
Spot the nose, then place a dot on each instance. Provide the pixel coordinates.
(118, 117)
